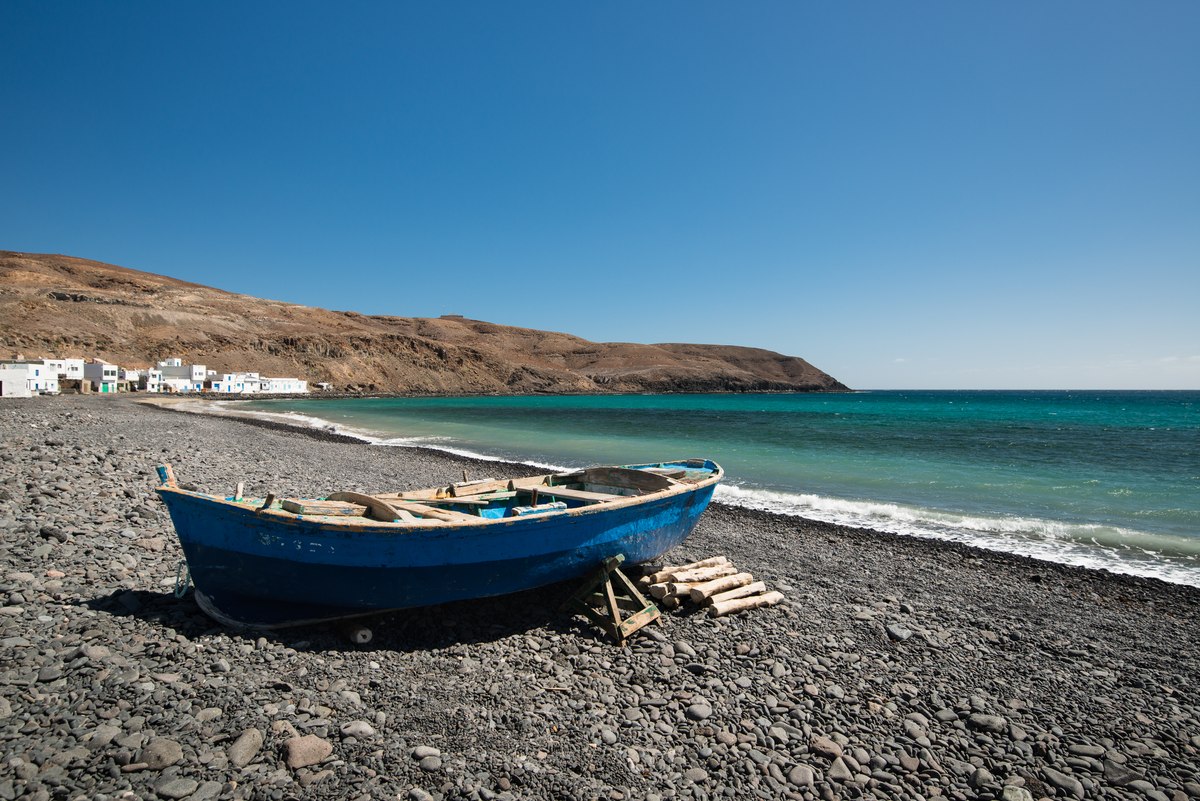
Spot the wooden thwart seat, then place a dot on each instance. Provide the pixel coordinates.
(577, 495)
(434, 513)
(306, 506)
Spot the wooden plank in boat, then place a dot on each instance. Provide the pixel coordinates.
(578, 495)
(669, 472)
(376, 509)
(475, 489)
(449, 515)
(397, 498)
(307, 506)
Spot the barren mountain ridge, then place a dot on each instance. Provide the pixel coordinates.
(66, 307)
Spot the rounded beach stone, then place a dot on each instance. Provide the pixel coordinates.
(300, 752)
(1012, 793)
(176, 788)
(245, 748)
(161, 753)
(801, 776)
(358, 729)
(992, 723)
(825, 747)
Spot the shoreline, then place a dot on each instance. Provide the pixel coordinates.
(896, 668)
(329, 433)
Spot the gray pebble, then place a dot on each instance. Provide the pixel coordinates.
(245, 748)
(176, 788)
(161, 753)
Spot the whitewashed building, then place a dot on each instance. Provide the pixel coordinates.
(180, 377)
(151, 380)
(14, 381)
(131, 376)
(102, 375)
(285, 386)
(237, 383)
(24, 377)
(66, 368)
(255, 384)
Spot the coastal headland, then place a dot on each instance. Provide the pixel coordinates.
(61, 306)
(897, 668)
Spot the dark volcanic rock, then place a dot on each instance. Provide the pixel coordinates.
(1075, 685)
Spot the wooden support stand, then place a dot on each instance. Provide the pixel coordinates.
(599, 590)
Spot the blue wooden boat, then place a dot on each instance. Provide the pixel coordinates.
(269, 562)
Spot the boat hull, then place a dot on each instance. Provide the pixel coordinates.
(254, 569)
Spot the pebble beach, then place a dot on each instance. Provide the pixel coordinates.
(897, 668)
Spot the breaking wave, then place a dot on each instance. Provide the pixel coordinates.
(1119, 550)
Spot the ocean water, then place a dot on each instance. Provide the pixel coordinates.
(1101, 479)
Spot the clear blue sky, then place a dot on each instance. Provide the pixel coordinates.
(915, 194)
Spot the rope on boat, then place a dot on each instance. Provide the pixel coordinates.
(183, 578)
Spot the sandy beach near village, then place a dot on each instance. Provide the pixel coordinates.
(897, 668)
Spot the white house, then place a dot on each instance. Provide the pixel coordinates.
(151, 380)
(104, 376)
(23, 378)
(180, 377)
(131, 376)
(66, 368)
(285, 386)
(14, 380)
(238, 383)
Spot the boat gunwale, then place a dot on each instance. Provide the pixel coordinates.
(344, 525)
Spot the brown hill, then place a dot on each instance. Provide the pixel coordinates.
(68, 307)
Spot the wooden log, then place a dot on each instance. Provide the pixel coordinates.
(702, 591)
(662, 574)
(680, 589)
(671, 590)
(701, 574)
(742, 604)
(670, 603)
(737, 592)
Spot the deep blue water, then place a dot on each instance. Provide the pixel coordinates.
(1104, 479)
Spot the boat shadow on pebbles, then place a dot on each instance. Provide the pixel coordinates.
(486, 620)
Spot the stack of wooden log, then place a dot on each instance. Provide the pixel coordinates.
(713, 583)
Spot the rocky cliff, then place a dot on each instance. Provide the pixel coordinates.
(69, 307)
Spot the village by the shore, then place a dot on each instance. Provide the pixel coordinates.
(24, 378)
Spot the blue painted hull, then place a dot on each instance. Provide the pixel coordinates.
(257, 569)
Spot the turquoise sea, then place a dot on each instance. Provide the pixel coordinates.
(1102, 479)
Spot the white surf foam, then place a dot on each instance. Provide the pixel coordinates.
(1118, 550)
(441, 444)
